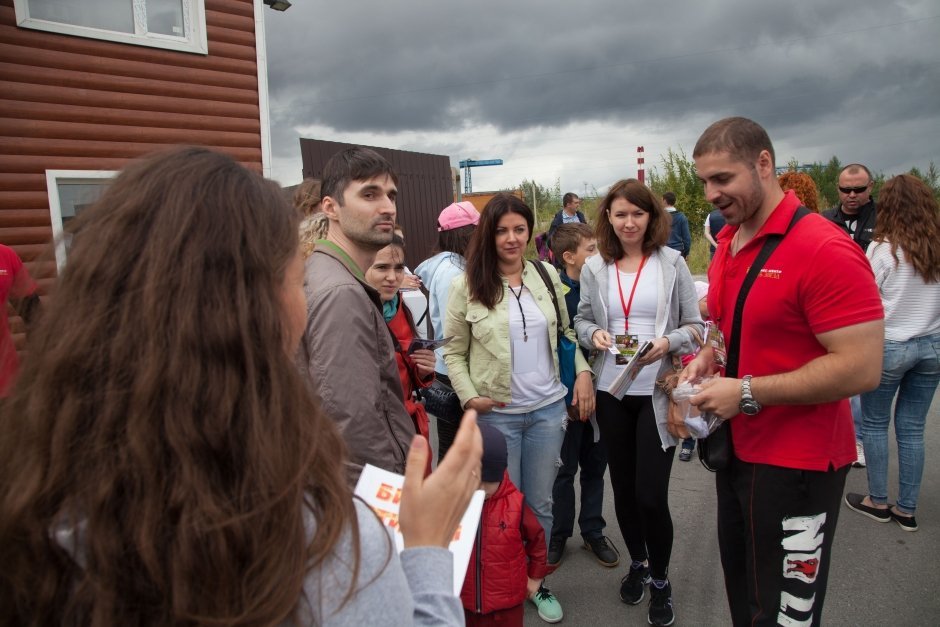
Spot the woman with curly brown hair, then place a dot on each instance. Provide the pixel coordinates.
(906, 260)
(162, 461)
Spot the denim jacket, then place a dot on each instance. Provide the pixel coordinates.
(677, 315)
(479, 358)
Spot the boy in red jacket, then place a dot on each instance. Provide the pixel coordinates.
(507, 565)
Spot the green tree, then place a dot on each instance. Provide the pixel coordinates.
(931, 177)
(677, 174)
(544, 201)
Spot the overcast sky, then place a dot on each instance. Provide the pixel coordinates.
(570, 90)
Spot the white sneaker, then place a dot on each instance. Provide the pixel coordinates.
(859, 454)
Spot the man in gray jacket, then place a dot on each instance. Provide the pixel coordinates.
(347, 351)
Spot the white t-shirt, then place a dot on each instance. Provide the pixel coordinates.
(912, 306)
(533, 382)
(642, 320)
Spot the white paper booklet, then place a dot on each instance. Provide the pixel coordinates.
(382, 491)
(627, 376)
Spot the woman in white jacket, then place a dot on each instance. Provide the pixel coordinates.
(636, 290)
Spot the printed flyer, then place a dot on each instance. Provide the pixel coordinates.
(382, 491)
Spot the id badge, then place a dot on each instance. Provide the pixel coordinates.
(525, 357)
(716, 339)
(627, 346)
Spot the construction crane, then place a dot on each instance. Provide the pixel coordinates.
(466, 164)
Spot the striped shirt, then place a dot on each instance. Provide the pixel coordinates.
(912, 306)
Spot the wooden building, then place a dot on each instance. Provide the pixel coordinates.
(85, 88)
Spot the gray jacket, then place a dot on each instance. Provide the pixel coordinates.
(413, 588)
(348, 358)
(677, 318)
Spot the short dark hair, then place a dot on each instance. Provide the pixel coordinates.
(353, 164)
(568, 237)
(669, 198)
(635, 192)
(855, 167)
(741, 138)
(568, 198)
(484, 283)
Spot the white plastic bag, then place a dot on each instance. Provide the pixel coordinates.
(700, 425)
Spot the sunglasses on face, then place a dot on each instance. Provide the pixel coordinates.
(857, 190)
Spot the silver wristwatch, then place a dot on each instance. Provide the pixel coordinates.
(748, 405)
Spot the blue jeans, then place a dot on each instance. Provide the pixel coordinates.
(912, 369)
(533, 442)
(856, 404)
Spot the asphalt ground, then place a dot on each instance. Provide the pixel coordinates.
(880, 574)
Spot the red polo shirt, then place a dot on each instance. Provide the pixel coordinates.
(817, 280)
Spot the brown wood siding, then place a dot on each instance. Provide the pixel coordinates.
(74, 103)
(424, 189)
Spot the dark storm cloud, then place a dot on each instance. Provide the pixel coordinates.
(422, 66)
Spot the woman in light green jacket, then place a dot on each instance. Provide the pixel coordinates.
(502, 360)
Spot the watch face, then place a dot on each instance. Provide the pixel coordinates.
(750, 407)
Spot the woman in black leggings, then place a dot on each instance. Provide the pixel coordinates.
(638, 290)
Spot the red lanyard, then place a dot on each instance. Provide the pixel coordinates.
(626, 306)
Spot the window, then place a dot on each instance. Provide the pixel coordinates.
(172, 24)
(70, 191)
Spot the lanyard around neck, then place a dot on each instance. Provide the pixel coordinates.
(525, 336)
(627, 305)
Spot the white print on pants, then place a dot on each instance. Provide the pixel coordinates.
(801, 562)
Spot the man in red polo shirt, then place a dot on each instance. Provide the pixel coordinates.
(810, 338)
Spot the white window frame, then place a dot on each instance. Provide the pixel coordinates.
(194, 23)
(53, 179)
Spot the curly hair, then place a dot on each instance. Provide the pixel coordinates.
(636, 193)
(803, 186)
(312, 228)
(159, 421)
(909, 218)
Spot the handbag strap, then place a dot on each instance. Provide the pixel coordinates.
(770, 244)
(551, 290)
(425, 318)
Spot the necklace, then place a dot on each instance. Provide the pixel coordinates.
(525, 335)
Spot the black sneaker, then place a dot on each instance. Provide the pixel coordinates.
(604, 550)
(907, 523)
(660, 610)
(633, 585)
(854, 502)
(556, 549)
(685, 454)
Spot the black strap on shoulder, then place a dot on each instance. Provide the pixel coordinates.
(551, 290)
(425, 318)
(770, 244)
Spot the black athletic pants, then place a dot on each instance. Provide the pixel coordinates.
(775, 531)
(639, 476)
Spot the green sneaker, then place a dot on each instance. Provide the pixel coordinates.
(548, 606)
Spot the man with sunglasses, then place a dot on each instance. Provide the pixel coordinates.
(855, 214)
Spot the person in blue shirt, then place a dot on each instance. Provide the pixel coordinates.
(680, 238)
